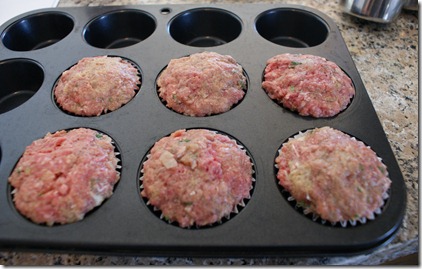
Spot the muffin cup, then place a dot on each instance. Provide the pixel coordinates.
(119, 29)
(117, 154)
(236, 209)
(20, 79)
(164, 102)
(294, 27)
(139, 74)
(205, 27)
(37, 31)
(315, 101)
(300, 207)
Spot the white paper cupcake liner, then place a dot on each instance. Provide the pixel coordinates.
(345, 223)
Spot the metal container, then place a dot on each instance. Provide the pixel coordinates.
(383, 11)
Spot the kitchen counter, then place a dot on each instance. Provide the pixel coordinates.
(387, 58)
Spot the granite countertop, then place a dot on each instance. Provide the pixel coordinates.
(387, 58)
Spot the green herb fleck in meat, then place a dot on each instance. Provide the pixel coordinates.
(293, 64)
(27, 170)
(19, 170)
(92, 183)
(242, 84)
(98, 135)
(382, 169)
(292, 88)
(41, 193)
(175, 98)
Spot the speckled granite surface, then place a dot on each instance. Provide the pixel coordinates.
(387, 59)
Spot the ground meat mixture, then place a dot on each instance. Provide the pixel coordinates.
(96, 85)
(64, 175)
(333, 175)
(196, 177)
(202, 84)
(308, 84)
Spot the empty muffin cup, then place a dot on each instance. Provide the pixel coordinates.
(19, 80)
(37, 31)
(205, 27)
(292, 27)
(119, 29)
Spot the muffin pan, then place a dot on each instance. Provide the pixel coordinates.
(36, 47)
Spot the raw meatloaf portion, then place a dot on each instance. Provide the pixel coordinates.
(333, 175)
(64, 175)
(97, 85)
(202, 84)
(308, 84)
(196, 177)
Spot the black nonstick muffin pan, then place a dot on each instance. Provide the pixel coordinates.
(36, 47)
